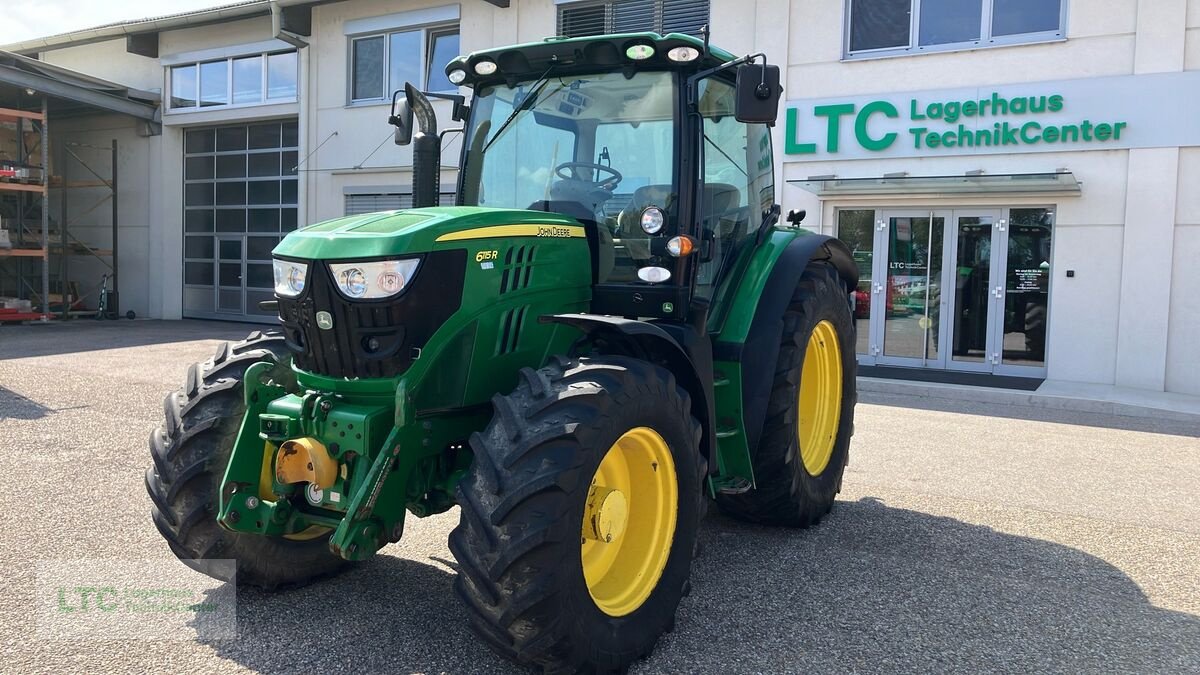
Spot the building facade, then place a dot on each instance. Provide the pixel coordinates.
(1015, 177)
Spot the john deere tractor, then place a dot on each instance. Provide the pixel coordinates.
(608, 329)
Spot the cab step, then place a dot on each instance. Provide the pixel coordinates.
(732, 485)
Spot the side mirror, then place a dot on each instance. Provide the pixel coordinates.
(758, 93)
(401, 118)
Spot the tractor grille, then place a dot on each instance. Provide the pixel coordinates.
(371, 338)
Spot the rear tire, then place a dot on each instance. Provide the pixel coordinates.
(521, 542)
(787, 492)
(191, 451)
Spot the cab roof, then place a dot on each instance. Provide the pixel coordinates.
(584, 54)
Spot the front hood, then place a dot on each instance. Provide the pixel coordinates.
(410, 231)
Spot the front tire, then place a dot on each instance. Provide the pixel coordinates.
(191, 451)
(805, 443)
(580, 514)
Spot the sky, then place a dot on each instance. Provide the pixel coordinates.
(26, 19)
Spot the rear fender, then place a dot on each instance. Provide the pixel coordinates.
(681, 349)
(754, 343)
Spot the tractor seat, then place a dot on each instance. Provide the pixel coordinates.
(647, 195)
(718, 200)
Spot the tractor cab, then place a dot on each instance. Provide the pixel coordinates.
(659, 146)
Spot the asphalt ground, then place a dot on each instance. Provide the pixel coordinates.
(967, 538)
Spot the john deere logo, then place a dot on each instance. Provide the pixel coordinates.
(324, 320)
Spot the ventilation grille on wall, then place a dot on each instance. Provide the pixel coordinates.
(360, 203)
(633, 16)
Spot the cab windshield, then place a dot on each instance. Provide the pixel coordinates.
(599, 148)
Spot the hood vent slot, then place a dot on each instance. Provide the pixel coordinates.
(518, 263)
(509, 336)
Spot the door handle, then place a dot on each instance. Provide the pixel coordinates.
(998, 292)
(878, 288)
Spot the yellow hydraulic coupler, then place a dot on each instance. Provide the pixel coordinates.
(305, 460)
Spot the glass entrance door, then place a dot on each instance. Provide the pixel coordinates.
(1021, 291)
(962, 289)
(971, 307)
(908, 289)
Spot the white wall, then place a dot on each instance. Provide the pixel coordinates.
(109, 61)
(361, 128)
(1124, 317)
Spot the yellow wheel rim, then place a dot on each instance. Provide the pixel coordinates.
(820, 406)
(629, 521)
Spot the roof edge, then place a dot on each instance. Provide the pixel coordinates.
(240, 10)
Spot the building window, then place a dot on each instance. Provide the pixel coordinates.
(893, 27)
(244, 80)
(373, 202)
(632, 16)
(380, 64)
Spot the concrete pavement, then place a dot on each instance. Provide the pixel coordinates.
(969, 536)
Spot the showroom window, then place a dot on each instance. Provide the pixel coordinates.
(253, 79)
(877, 28)
(581, 19)
(381, 63)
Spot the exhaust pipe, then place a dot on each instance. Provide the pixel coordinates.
(427, 145)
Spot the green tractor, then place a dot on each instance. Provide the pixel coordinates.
(607, 330)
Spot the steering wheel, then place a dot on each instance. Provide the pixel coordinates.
(574, 174)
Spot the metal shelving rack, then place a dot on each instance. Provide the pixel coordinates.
(68, 245)
(41, 190)
(47, 243)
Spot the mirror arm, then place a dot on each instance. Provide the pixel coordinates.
(769, 219)
(392, 119)
(459, 113)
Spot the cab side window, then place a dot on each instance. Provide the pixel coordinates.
(738, 179)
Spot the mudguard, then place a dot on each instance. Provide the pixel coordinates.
(686, 352)
(758, 354)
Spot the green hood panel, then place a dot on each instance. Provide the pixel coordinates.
(392, 233)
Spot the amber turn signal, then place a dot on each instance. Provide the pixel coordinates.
(681, 246)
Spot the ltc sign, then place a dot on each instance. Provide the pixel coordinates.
(1102, 113)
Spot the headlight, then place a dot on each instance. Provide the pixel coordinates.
(639, 52)
(289, 277)
(683, 54)
(371, 280)
(652, 220)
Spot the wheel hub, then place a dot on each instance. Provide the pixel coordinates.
(607, 512)
(819, 409)
(629, 521)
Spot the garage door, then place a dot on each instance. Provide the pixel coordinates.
(239, 200)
